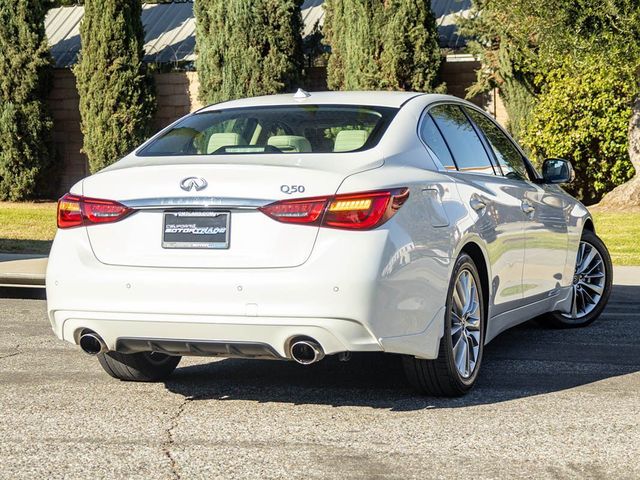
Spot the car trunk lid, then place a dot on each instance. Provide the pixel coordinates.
(233, 193)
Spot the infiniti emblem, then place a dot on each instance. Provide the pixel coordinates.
(193, 183)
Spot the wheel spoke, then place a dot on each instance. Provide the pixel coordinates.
(461, 286)
(594, 275)
(587, 261)
(594, 288)
(460, 353)
(471, 293)
(467, 364)
(473, 324)
(574, 305)
(580, 254)
(457, 301)
(475, 338)
(593, 268)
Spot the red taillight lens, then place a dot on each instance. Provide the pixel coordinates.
(69, 211)
(357, 211)
(75, 211)
(307, 211)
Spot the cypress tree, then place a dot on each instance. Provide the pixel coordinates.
(117, 97)
(25, 124)
(247, 48)
(390, 45)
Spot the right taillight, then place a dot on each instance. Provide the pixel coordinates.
(77, 211)
(353, 211)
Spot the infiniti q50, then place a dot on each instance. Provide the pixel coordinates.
(294, 227)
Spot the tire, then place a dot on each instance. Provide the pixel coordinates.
(442, 377)
(564, 320)
(138, 367)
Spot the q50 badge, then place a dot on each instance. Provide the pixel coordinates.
(291, 189)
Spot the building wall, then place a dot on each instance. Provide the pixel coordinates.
(177, 95)
(459, 76)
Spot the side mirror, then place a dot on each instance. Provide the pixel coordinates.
(557, 170)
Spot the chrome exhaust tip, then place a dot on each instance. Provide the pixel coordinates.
(306, 352)
(92, 344)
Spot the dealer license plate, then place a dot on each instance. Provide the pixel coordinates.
(196, 230)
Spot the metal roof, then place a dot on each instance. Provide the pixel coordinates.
(170, 29)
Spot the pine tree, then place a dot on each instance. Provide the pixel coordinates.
(390, 45)
(25, 125)
(117, 99)
(247, 48)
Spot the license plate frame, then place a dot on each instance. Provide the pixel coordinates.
(180, 229)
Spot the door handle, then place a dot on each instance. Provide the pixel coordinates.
(477, 204)
(527, 207)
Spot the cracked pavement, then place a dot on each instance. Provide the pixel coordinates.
(561, 404)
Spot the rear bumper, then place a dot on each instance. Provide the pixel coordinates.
(347, 299)
(334, 335)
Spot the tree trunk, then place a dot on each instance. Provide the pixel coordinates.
(628, 194)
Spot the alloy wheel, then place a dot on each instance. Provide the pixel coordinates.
(465, 324)
(589, 281)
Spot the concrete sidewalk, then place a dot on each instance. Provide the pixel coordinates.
(626, 275)
(22, 270)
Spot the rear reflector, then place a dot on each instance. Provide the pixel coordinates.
(76, 211)
(356, 211)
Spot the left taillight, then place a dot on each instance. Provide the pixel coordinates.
(354, 211)
(77, 211)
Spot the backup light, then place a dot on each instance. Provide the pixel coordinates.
(76, 211)
(346, 205)
(356, 211)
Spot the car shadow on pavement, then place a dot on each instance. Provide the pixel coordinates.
(528, 360)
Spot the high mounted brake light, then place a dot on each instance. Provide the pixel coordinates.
(76, 211)
(353, 211)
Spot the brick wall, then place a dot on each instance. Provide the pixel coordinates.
(177, 95)
(67, 137)
(459, 76)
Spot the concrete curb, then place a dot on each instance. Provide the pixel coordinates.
(22, 270)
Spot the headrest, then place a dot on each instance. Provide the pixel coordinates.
(290, 143)
(219, 140)
(348, 140)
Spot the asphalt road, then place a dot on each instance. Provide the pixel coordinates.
(549, 404)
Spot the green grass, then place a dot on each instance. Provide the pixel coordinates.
(30, 227)
(27, 227)
(620, 231)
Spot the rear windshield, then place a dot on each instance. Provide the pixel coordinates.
(288, 129)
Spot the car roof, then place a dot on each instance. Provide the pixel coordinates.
(380, 99)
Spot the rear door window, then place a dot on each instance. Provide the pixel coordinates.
(433, 138)
(462, 139)
(509, 158)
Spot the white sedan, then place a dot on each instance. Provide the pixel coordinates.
(298, 226)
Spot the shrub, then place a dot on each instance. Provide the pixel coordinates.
(25, 125)
(391, 45)
(117, 99)
(582, 114)
(247, 48)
